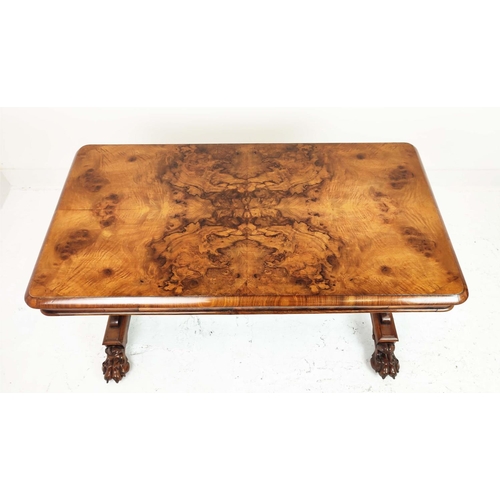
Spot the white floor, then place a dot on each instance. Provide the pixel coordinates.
(457, 351)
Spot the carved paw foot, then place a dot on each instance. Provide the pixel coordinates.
(116, 365)
(383, 361)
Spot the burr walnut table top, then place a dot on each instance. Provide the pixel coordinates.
(246, 228)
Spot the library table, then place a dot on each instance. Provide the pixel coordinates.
(246, 229)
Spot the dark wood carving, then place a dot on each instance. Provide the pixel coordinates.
(116, 365)
(383, 360)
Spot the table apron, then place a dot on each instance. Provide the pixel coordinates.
(264, 310)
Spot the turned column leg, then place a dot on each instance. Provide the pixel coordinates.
(115, 339)
(383, 361)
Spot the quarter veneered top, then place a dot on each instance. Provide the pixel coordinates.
(162, 227)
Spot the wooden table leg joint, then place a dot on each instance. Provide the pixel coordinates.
(383, 360)
(116, 364)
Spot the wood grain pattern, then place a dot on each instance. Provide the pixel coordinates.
(246, 228)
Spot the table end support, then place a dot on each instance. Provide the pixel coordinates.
(116, 365)
(383, 360)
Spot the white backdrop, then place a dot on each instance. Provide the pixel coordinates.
(439, 352)
(269, 445)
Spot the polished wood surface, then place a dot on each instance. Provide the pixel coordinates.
(246, 228)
